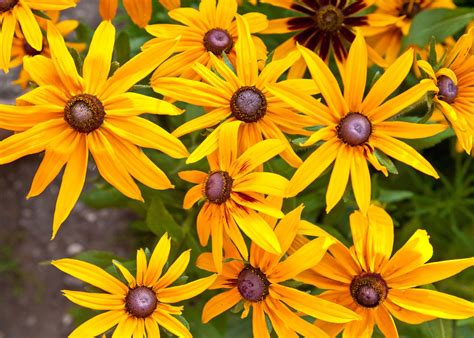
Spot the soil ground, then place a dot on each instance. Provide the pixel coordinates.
(31, 304)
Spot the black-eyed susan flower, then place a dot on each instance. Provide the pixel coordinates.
(142, 304)
(211, 29)
(354, 126)
(378, 286)
(391, 21)
(321, 25)
(234, 192)
(240, 96)
(455, 95)
(258, 283)
(69, 115)
(13, 12)
(22, 48)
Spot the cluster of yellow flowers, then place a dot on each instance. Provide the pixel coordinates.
(212, 59)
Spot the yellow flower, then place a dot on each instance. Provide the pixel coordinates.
(318, 25)
(455, 94)
(258, 284)
(392, 19)
(140, 305)
(234, 192)
(19, 11)
(240, 96)
(353, 127)
(21, 47)
(211, 29)
(69, 115)
(139, 10)
(376, 286)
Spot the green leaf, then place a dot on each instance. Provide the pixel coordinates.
(228, 63)
(77, 59)
(429, 142)
(438, 22)
(159, 220)
(99, 258)
(432, 58)
(104, 198)
(438, 328)
(122, 48)
(41, 14)
(392, 196)
(386, 162)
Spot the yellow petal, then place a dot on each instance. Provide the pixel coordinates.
(29, 26)
(272, 71)
(126, 274)
(259, 323)
(360, 328)
(152, 330)
(97, 62)
(217, 233)
(126, 327)
(227, 74)
(91, 274)
(6, 39)
(432, 303)
(228, 149)
(326, 82)
(109, 166)
(430, 273)
(400, 102)
(96, 301)
(42, 71)
(246, 61)
(171, 324)
(356, 73)
(213, 79)
(98, 324)
(256, 229)
(63, 61)
(404, 315)
(416, 252)
(255, 202)
(409, 130)
(339, 177)
(137, 68)
(255, 156)
(193, 176)
(174, 272)
(72, 182)
(427, 68)
(388, 82)
(138, 164)
(313, 166)
(146, 134)
(360, 178)
(302, 259)
(140, 12)
(179, 293)
(385, 322)
(312, 305)
(402, 152)
(108, 9)
(141, 266)
(379, 238)
(158, 260)
(192, 196)
(265, 183)
(204, 121)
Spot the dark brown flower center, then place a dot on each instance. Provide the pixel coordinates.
(84, 113)
(217, 41)
(447, 89)
(30, 50)
(248, 104)
(329, 18)
(368, 289)
(410, 9)
(218, 187)
(252, 284)
(141, 302)
(6, 5)
(354, 129)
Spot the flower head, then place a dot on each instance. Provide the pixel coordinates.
(258, 284)
(354, 126)
(391, 21)
(378, 286)
(140, 305)
(455, 81)
(68, 115)
(234, 191)
(240, 96)
(210, 30)
(16, 11)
